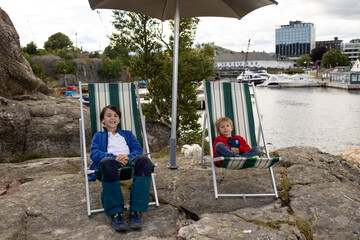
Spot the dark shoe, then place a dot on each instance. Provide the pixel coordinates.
(117, 222)
(135, 220)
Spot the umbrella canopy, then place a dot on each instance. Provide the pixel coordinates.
(165, 9)
(170, 9)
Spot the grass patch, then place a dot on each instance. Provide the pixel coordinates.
(284, 190)
(284, 195)
(275, 225)
(25, 158)
(73, 155)
(304, 227)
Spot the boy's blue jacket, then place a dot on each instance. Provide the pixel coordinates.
(99, 148)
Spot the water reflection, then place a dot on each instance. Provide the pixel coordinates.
(325, 118)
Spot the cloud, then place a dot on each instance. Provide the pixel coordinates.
(37, 20)
(345, 9)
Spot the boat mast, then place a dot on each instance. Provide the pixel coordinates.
(247, 53)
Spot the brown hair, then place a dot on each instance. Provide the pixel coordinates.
(223, 119)
(111, 107)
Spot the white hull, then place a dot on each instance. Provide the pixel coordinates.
(252, 77)
(287, 81)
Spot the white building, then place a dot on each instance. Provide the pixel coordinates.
(236, 60)
(352, 49)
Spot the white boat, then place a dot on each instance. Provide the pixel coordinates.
(252, 77)
(285, 81)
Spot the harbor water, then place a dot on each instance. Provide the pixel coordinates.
(325, 118)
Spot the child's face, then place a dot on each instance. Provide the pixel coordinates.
(111, 120)
(225, 129)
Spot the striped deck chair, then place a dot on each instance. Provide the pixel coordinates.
(123, 96)
(233, 100)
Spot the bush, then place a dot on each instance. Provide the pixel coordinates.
(110, 68)
(65, 66)
(37, 67)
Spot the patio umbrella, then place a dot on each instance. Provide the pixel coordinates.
(170, 9)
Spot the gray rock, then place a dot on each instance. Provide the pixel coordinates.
(48, 62)
(41, 125)
(158, 136)
(45, 199)
(16, 76)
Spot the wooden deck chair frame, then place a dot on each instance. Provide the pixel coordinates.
(233, 100)
(123, 96)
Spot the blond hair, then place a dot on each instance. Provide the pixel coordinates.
(223, 119)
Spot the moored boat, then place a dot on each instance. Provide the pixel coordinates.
(285, 81)
(252, 77)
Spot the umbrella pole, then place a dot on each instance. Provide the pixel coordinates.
(172, 164)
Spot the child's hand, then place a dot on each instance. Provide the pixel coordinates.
(123, 159)
(235, 150)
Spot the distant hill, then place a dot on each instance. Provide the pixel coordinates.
(220, 50)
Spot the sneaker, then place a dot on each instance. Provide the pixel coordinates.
(135, 220)
(117, 222)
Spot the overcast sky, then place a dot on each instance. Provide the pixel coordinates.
(37, 20)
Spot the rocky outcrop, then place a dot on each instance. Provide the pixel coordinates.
(319, 199)
(158, 136)
(32, 123)
(87, 70)
(16, 76)
(40, 125)
(48, 62)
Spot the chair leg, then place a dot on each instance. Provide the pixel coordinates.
(87, 194)
(203, 139)
(273, 182)
(155, 191)
(214, 178)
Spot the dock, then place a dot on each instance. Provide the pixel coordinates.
(327, 83)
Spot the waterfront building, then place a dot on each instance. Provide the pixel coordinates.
(252, 60)
(295, 39)
(330, 44)
(352, 49)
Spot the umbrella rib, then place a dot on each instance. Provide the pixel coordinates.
(239, 16)
(164, 9)
(100, 4)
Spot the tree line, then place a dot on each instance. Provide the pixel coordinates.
(328, 58)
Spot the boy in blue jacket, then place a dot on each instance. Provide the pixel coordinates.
(110, 150)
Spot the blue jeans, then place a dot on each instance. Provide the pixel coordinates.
(223, 151)
(111, 195)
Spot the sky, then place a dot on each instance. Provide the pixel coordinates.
(37, 20)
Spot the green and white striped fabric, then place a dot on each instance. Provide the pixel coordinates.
(233, 100)
(119, 94)
(242, 163)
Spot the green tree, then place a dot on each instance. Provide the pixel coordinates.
(116, 51)
(140, 34)
(30, 48)
(335, 58)
(153, 64)
(304, 60)
(111, 68)
(57, 41)
(68, 52)
(94, 54)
